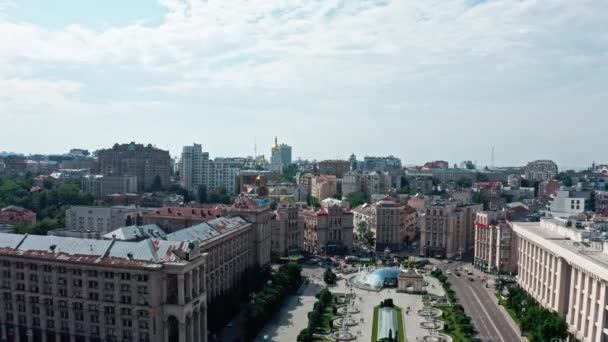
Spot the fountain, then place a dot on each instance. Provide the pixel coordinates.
(437, 338)
(343, 334)
(429, 312)
(374, 279)
(431, 325)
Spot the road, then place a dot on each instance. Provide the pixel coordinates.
(482, 306)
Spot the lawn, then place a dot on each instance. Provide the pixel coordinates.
(449, 318)
(375, 324)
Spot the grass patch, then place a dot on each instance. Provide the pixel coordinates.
(400, 325)
(375, 325)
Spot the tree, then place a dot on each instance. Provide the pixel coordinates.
(289, 174)
(329, 277)
(480, 177)
(305, 336)
(157, 184)
(564, 178)
(464, 182)
(201, 194)
(356, 198)
(313, 202)
(366, 236)
(470, 165)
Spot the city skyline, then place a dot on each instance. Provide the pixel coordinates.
(421, 81)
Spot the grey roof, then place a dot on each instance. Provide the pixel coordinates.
(199, 232)
(207, 230)
(135, 233)
(93, 251)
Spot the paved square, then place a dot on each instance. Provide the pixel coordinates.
(293, 315)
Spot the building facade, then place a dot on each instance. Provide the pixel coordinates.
(328, 230)
(198, 170)
(540, 170)
(280, 156)
(147, 163)
(65, 289)
(287, 231)
(100, 185)
(447, 229)
(257, 212)
(102, 219)
(334, 167)
(495, 244)
(324, 186)
(565, 274)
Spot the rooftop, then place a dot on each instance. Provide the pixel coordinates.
(89, 251)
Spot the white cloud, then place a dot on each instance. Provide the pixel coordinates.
(400, 55)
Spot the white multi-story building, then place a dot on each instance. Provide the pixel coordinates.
(562, 205)
(565, 273)
(198, 170)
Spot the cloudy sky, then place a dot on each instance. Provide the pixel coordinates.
(421, 80)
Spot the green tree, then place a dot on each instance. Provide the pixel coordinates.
(365, 235)
(157, 184)
(470, 165)
(564, 178)
(464, 182)
(201, 194)
(480, 177)
(356, 198)
(329, 277)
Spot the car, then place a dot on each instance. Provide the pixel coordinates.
(457, 274)
(471, 279)
(448, 272)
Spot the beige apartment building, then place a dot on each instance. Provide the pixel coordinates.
(324, 186)
(59, 289)
(495, 243)
(228, 244)
(287, 231)
(328, 230)
(393, 224)
(567, 272)
(257, 212)
(447, 229)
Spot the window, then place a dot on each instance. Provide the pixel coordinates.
(93, 296)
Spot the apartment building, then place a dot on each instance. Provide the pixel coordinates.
(198, 170)
(566, 271)
(287, 231)
(540, 170)
(228, 244)
(324, 186)
(257, 212)
(147, 163)
(100, 185)
(59, 289)
(495, 243)
(334, 167)
(103, 219)
(447, 229)
(328, 230)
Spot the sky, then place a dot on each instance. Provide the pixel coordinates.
(420, 80)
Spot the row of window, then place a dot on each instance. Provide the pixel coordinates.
(76, 271)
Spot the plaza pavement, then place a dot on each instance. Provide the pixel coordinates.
(292, 317)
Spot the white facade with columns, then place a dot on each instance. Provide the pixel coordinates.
(566, 276)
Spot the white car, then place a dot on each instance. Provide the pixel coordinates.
(448, 272)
